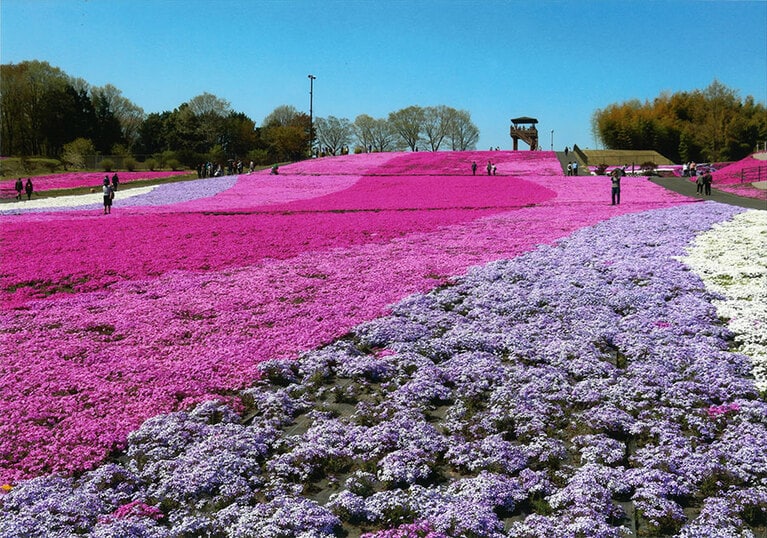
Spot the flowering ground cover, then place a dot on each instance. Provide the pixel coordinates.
(730, 260)
(739, 177)
(149, 312)
(72, 180)
(580, 389)
(746, 189)
(734, 172)
(155, 308)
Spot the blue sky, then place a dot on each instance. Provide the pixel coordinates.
(557, 61)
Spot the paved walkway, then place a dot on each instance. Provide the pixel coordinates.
(686, 187)
(683, 185)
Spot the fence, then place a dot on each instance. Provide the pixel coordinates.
(753, 174)
(748, 174)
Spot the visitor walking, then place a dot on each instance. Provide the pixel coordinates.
(575, 168)
(19, 188)
(474, 168)
(115, 182)
(28, 188)
(707, 180)
(489, 167)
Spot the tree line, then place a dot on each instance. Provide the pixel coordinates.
(46, 113)
(710, 125)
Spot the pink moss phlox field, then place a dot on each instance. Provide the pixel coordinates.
(733, 173)
(746, 190)
(74, 180)
(738, 178)
(109, 322)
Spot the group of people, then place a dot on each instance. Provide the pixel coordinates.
(703, 183)
(491, 168)
(22, 187)
(689, 169)
(572, 168)
(108, 190)
(209, 169)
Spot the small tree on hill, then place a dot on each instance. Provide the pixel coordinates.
(74, 153)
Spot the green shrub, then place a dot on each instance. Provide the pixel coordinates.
(216, 154)
(75, 151)
(107, 165)
(26, 164)
(49, 164)
(259, 156)
(130, 164)
(174, 164)
(165, 157)
(151, 164)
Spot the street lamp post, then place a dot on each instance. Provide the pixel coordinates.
(311, 114)
(552, 140)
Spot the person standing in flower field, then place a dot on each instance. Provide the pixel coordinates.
(474, 168)
(29, 188)
(109, 195)
(115, 181)
(615, 178)
(19, 188)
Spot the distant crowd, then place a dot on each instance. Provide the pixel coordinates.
(692, 169)
(209, 169)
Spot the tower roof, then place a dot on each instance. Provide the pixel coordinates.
(524, 119)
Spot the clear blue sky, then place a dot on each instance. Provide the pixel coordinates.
(557, 61)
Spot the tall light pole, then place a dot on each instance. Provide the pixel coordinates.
(552, 140)
(311, 114)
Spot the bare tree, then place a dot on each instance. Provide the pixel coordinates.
(363, 130)
(208, 104)
(383, 136)
(437, 124)
(130, 115)
(463, 134)
(283, 115)
(408, 124)
(333, 133)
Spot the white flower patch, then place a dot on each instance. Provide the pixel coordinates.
(730, 258)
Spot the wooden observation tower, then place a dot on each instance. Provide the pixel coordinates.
(524, 129)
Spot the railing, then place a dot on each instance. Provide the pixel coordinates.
(750, 174)
(753, 174)
(582, 156)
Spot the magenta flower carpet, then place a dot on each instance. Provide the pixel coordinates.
(115, 328)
